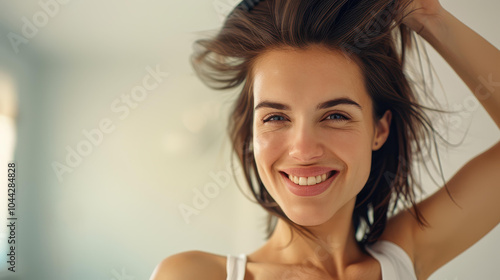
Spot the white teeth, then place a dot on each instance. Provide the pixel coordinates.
(302, 181)
(308, 181)
(311, 181)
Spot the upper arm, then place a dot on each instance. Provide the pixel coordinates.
(188, 266)
(454, 227)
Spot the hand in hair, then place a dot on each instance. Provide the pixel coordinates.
(419, 12)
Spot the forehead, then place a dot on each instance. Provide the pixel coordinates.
(316, 72)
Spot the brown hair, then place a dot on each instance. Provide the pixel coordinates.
(370, 33)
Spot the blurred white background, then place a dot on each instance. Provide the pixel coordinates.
(113, 212)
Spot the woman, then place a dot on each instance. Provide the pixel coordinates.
(326, 127)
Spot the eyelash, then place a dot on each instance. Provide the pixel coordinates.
(344, 118)
(268, 119)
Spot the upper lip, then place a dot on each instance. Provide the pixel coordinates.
(310, 171)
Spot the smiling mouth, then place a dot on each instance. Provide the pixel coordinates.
(310, 181)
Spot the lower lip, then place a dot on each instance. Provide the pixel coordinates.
(308, 190)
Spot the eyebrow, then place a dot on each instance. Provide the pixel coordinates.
(338, 101)
(274, 105)
(324, 105)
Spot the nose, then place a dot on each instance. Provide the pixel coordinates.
(305, 144)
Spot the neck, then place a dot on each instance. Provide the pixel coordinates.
(335, 249)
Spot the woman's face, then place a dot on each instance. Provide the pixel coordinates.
(313, 131)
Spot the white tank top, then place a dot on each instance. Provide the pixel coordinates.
(235, 267)
(394, 262)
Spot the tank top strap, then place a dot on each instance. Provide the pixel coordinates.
(394, 261)
(235, 267)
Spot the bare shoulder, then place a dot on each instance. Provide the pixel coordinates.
(399, 230)
(191, 265)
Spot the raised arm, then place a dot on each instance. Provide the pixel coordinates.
(475, 187)
(474, 59)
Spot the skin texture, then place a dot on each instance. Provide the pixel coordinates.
(340, 137)
(305, 136)
(302, 140)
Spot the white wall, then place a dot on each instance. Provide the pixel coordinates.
(116, 214)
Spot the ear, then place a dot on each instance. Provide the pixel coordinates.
(381, 132)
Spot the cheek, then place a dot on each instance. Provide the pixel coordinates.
(266, 147)
(355, 150)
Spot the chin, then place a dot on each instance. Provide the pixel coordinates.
(309, 223)
(308, 216)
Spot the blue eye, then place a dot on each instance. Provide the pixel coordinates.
(274, 118)
(337, 117)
